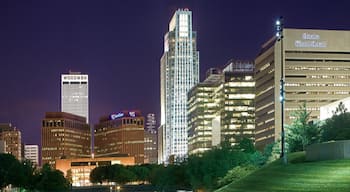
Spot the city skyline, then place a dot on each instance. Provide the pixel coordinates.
(119, 46)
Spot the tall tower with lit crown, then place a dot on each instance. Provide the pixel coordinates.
(75, 94)
(179, 73)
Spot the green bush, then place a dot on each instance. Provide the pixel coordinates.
(236, 174)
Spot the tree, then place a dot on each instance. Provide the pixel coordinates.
(338, 126)
(8, 170)
(51, 180)
(120, 174)
(98, 174)
(246, 145)
(141, 172)
(302, 132)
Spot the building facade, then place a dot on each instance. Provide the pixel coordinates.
(151, 137)
(316, 66)
(64, 135)
(81, 168)
(237, 105)
(201, 110)
(221, 108)
(75, 94)
(179, 73)
(328, 110)
(31, 152)
(121, 133)
(12, 139)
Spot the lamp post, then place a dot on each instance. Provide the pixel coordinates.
(279, 35)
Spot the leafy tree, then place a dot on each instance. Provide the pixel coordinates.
(120, 174)
(341, 109)
(246, 145)
(272, 152)
(98, 174)
(205, 170)
(51, 180)
(141, 172)
(338, 126)
(8, 170)
(302, 132)
(27, 175)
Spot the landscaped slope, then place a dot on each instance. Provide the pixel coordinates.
(297, 176)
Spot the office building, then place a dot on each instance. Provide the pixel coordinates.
(12, 139)
(151, 122)
(80, 168)
(201, 111)
(31, 152)
(328, 110)
(179, 73)
(316, 66)
(63, 136)
(75, 94)
(121, 133)
(151, 144)
(160, 143)
(221, 108)
(237, 118)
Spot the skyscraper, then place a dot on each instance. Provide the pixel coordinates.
(179, 73)
(75, 94)
(151, 144)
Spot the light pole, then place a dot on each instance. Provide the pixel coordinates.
(279, 35)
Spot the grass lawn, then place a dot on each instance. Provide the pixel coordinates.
(297, 176)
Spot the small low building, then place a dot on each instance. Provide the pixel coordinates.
(80, 168)
(328, 151)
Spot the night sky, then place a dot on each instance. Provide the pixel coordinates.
(119, 44)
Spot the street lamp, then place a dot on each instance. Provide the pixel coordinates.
(279, 34)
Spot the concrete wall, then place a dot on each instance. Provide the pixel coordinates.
(328, 151)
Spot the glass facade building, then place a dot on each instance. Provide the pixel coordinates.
(75, 94)
(221, 108)
(179, 73)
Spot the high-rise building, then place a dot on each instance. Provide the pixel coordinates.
(160, 140)
(121, 134)
(75, 94)
(151, 144)
(316, 66)
(31, 152)
(179, 73)
(12, 139)
(237, 114)
(221, 108)
(64, 135)
(201, 111)
(151, 122)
